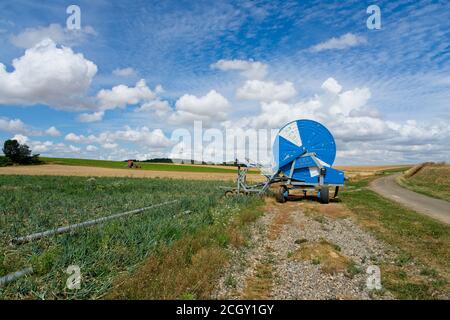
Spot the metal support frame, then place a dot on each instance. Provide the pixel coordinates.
(261, 188)
(292, 171)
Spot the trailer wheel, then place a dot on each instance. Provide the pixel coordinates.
(324, 195)
(280, 196)
(229, 193)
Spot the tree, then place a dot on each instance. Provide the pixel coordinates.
(19, 153)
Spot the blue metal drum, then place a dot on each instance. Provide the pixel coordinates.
(306, 147)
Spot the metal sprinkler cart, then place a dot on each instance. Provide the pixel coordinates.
(303, 151)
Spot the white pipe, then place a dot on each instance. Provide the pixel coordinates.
(39, 235)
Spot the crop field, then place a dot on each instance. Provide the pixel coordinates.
(31, 204)
(431, 180)
(102, 168)
(144, 165)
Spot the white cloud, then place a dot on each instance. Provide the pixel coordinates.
(60, 78)
(364, 128)
(266, 91)
(332, 86)
(17, 126)
(52, 131)
(12, 125)
(273, 115)
(49, 146)
(72, 137)
(74, 149)
(151, 138)
(209, 104)
(159, 89)
(213, 106)
(47, 74)
(108, 140)
(125, 72)
(350, 100)
(276, 114)
(31, 36)
(160, 107)
(412, 131)
(122, 95)
(91, 148)
(250, 69)
(103, 138)
(110, 145)
(362, 136)
(39, 147)
(345, 41)
(91, 117)
(20, 138)
(75, 138)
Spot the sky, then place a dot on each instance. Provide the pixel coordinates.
(135, 75)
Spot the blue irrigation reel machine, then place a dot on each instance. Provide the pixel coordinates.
(303, 153)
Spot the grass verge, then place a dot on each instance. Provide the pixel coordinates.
(432, 180)
(421, 270)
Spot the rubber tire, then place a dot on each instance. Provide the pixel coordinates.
(229, 193)
(324, 196)
(279, 196)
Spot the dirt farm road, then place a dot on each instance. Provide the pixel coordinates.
(435, 208)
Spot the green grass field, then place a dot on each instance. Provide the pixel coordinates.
(144, 165)
(31, 204)
(421, 269)
(431, 180)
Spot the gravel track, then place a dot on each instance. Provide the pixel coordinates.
(273, 241)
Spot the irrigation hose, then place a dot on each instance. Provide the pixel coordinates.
(51, 232)
(18, 274)
(15, 275)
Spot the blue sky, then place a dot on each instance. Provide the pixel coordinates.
(383, 93)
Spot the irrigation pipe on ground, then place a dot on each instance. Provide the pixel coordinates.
(51, 232)
(15, 275)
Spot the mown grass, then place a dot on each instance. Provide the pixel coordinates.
(144, 165)
(431, 180)
(422, 243)
(31, 203)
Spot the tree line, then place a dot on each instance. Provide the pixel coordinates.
(16, 153)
